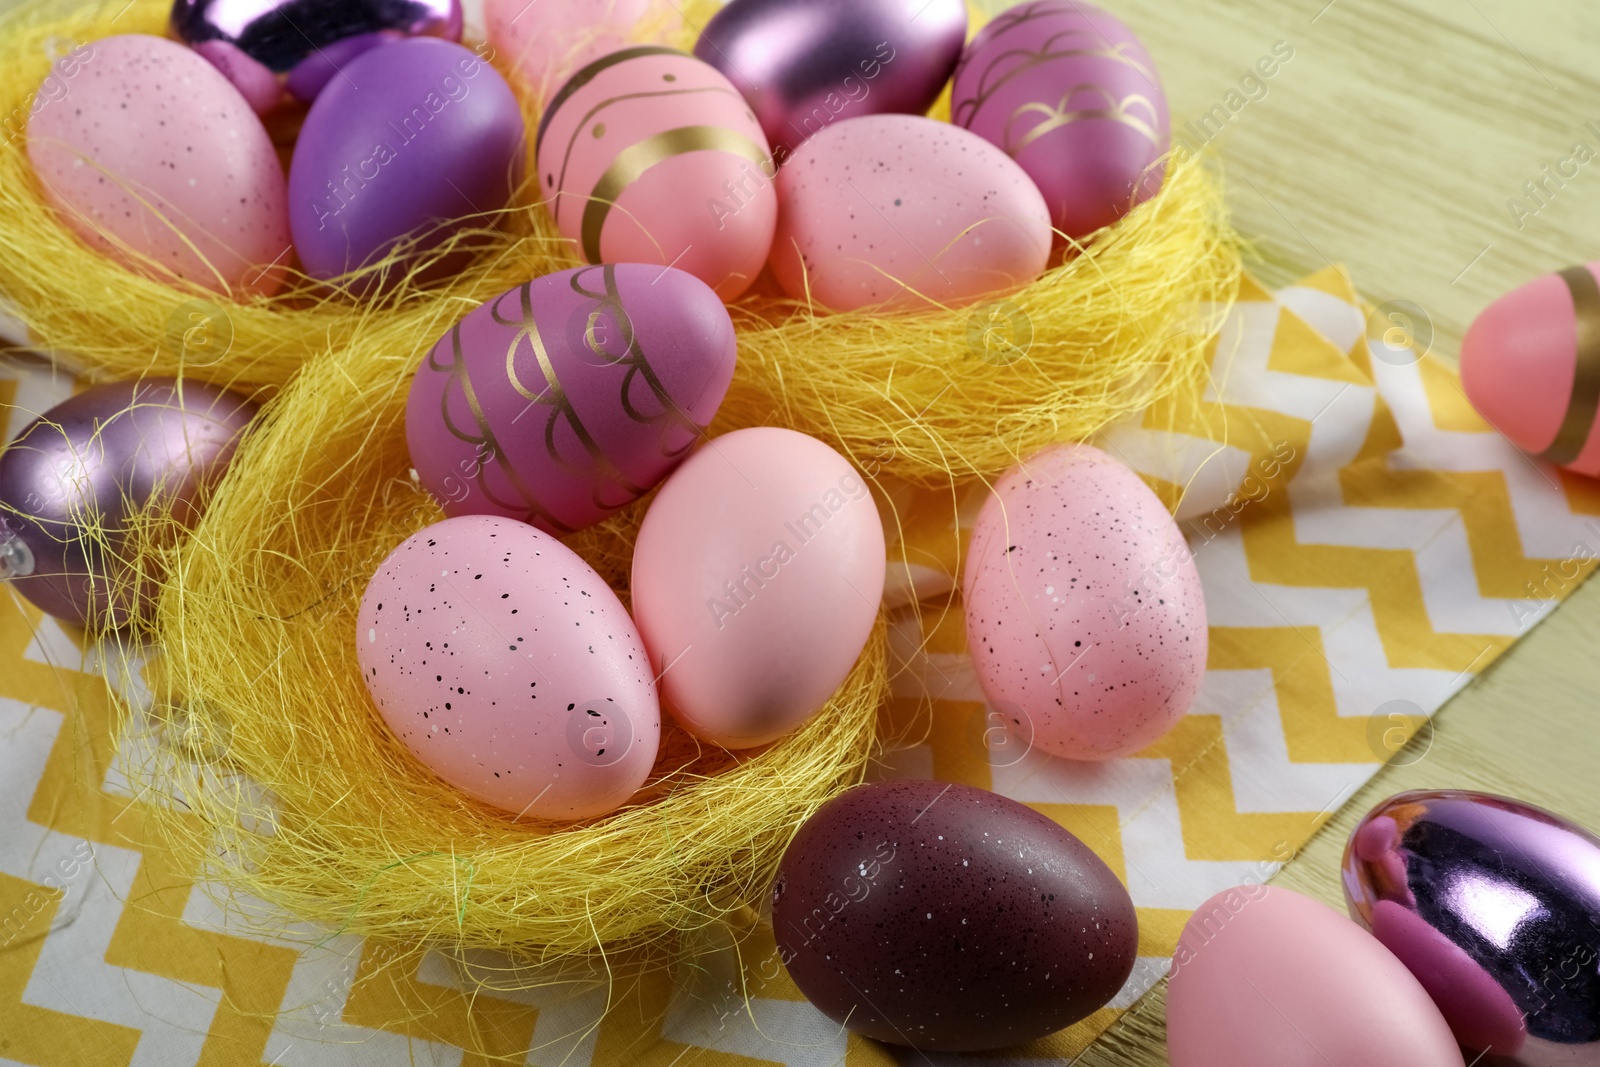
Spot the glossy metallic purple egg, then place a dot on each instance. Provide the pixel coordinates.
(304, 41)
(803, 64)
(1495, 906)
(74, 477)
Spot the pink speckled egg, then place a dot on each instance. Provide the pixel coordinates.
(146, 150)
(1072, 95)
(648, 155)
(756, 579)
(900, 210)
(510, 669)
(1083, 606)
(546, 41)
(1530, 364)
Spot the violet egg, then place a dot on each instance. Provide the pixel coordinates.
(802, 64)
(1084, 610)
(74, 478)
(1266, 977)
(568, 397)
(1495, 906)
(416, 139)
(1072, 95)
(948, 918)
(510, 669)
(262, 43)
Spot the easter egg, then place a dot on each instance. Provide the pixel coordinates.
(1084, 611)
(1530, 364)
(948, 918)
(415, 139)
(547, 41)
(509, 668)
(648, 155)
(899, 210)
(1265, 977)
(1072, 95)
(1494, 905)
(568, 397)
(73, 480)
(802, 64)
(265, 43)
(154, 159)
(756, 580)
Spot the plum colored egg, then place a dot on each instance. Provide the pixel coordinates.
(1265, 977)
(949, 918)
(569, 397)
(1072, 95)
(89, 464)
(510, 669)
(648, 155)
(154, 159)
(1530, 364)
(756, 579)
(415, 138)
(900, 210)
(1084, 610)
(259, 44)
(547, 41)
(1495, 906)
(802, 64)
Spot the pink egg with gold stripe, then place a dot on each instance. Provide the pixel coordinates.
(1530, 364)
(1072, 95)
(648, 155)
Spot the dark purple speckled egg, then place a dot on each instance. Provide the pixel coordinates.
(940, 916)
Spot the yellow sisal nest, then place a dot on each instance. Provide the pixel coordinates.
(287, 786)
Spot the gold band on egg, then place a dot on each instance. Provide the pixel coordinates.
(1579, 419)
(587, 75)
(633, 161)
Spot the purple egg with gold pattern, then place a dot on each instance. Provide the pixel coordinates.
(803, 64)
(1071, 94)
(263, 46)
(949, 918)
(1495, 906)
(565, 399)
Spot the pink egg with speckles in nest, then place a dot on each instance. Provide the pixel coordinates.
(1085, 617)
(900, 211)
(509, 669)
(152, 157)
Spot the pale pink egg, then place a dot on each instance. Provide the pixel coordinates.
(1085, 616)
(900, 210)
(756, 579)
(546, 40)
(1265, 977)
(147, 150)
(510, 669)
(648, 155)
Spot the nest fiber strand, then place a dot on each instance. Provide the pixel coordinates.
(289, 788)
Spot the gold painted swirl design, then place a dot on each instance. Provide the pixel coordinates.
(1115, 110)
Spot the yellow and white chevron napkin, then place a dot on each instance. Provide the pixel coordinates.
(1367, 545)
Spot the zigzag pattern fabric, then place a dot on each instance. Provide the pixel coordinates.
(1367, 545)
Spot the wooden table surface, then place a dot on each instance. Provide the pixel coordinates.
(1392, 142)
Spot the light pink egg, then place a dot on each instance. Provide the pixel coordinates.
(900, 210)
(1265, 977)
(145, 149)
(1084, 611)
(510, 669)
(547, 41)
(756, 579)
(648, 155)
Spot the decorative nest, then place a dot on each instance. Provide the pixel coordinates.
(286, 784)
